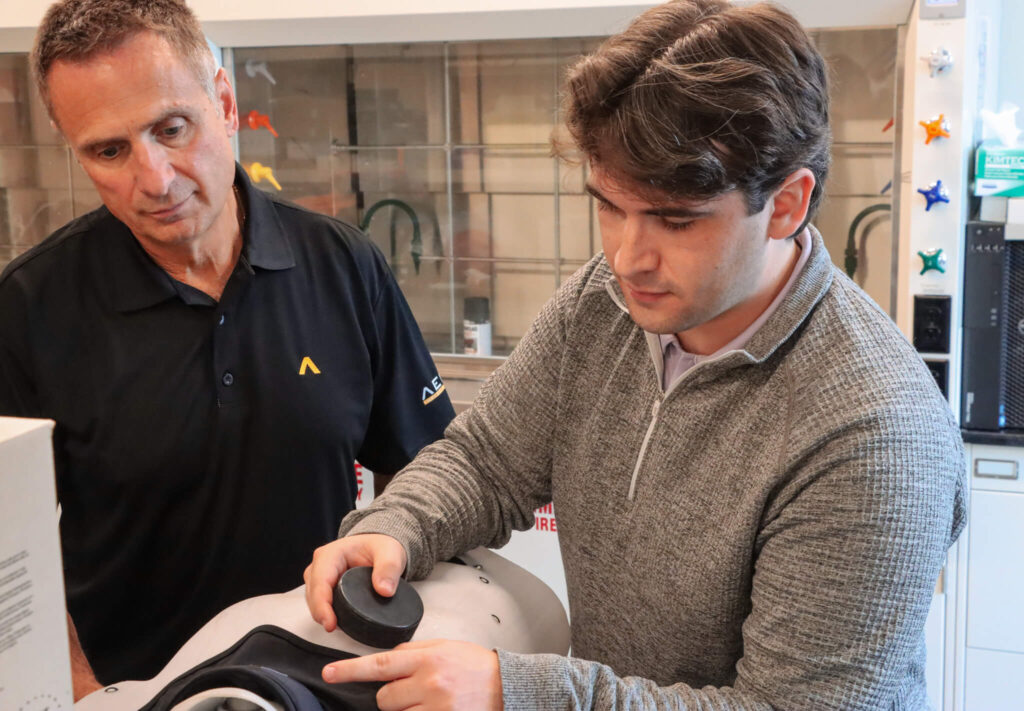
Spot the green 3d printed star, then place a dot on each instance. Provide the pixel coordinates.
(933, 259)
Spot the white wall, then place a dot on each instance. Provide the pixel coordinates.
(232, 23)
(1011, 56)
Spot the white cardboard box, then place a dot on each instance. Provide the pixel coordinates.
(35, 669)
(1015, 219)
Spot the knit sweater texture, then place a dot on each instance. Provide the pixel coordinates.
(766, 534)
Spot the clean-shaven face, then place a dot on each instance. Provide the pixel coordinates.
(155, 144)
(680, 264)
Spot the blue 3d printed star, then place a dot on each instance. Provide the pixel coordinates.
(935, 193)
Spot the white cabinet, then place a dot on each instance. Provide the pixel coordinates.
(995, 681)
(995, 572)
(934, 636)
(994, 656)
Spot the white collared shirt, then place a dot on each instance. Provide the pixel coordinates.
(678, 361)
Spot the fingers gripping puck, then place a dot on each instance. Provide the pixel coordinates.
(370, 618)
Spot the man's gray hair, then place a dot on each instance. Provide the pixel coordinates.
(78, 30)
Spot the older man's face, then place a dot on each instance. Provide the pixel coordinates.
(155, 144)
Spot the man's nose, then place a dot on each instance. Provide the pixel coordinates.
(636, 253)
(153, 170)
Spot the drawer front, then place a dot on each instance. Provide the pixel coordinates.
(995, 571)
(995, 681)
(996, 468)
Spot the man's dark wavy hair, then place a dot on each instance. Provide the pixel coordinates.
(700, 97)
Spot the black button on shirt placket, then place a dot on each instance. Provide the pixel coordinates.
(227, 377)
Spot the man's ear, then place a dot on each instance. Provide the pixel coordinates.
(790, 204)
(226, 99)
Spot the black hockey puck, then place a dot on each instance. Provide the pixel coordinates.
(373, 619)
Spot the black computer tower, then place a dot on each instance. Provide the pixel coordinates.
(993, 344)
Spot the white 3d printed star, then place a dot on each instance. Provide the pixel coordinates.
(1002, 124)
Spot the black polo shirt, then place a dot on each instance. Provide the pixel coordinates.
(204, 449)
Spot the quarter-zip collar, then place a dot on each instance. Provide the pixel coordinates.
(811, 285)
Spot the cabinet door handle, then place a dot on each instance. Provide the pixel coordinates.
(995, 469)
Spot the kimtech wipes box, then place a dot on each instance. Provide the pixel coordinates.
(35, 669)
(999, 171)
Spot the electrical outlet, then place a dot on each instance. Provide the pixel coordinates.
(940, 371)
(932, 318)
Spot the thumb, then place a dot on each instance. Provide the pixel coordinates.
(387, 569)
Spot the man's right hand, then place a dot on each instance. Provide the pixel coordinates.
(83, 683)
(384, 553)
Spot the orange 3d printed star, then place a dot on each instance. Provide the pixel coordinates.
(935, 128)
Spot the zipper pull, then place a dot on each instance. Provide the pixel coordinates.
(643, 449)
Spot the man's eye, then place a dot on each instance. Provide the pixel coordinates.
(109, 152)
(678, 226)
(170, 130)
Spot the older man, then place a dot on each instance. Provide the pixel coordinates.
(215, 359)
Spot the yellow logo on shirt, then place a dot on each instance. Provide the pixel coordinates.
(432, 391)
(308, 364)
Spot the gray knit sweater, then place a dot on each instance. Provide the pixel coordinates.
(791, 504)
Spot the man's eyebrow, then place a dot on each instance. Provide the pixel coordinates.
(101, 142)
(657, 211)
(594, 192)
(93, 146)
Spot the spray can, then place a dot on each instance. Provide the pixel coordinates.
(476, 326)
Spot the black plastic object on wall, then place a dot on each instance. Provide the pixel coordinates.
(373, 619)
(940, 371)
(932, 322)
(416, 248)
(852, 258)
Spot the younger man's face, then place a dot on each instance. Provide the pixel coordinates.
(680, 264)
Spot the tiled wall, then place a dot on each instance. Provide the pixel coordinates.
(41, 187)
(863, 75)
(460, 134)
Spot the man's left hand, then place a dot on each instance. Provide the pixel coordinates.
(429, 675)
